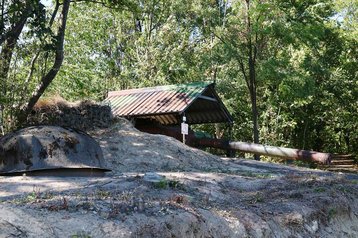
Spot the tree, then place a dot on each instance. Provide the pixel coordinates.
(244, 32)
(15, 15)
(58, 59)
(130, 49)
(27, 28)
(292, 50)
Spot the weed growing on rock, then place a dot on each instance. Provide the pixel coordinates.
(102, 194)
(165, 184)
(81, 234)
(320, 190)
(332, 212)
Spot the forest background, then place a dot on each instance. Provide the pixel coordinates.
(286, 70)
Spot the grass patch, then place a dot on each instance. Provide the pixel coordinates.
(320, 190)
(81, 234)
(354, 181)
(33, 196)
(257, 198)
(332, 212)
(256, 175)
(165, 184)
(102, 194)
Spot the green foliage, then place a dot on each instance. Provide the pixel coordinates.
(332, 212)
(306, 65)
(81, 234)
(128, 49)
(164, 184)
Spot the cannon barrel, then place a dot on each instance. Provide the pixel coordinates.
(323, 158)
(191, 140)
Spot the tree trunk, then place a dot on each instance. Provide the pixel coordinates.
(6, 56)
(253, 96)
(252, 53)
(47, 79)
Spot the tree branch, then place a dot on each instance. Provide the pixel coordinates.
(34, 59)
(29, 76)
(18, 26)
(53, 16)
(232, 46)
(122, 6)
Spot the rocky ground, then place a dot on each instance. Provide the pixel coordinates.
(198, 195)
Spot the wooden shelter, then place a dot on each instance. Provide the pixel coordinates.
(198, 102)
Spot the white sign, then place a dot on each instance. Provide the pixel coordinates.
(184, 128)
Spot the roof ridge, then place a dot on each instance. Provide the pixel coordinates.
(180, 87)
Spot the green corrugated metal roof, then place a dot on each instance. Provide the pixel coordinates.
(168, 99)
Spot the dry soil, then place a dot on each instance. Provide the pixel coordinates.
(199, 195)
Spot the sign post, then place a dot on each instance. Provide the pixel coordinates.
(184, 128)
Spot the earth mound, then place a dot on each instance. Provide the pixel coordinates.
(83, 115)
(189, 193)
